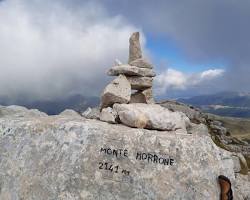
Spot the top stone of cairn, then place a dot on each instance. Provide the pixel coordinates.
(134, 47)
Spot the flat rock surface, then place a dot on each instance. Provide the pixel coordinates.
(142, 63)
(130, 71)
(68, 158)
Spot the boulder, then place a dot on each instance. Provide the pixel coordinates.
(142, 63)
(130, 71)
(67, 158)
(134, 47)
(145, 96)
(108, 115)
(118, 91)
(91, 113)
(140, 83)
(151, 116)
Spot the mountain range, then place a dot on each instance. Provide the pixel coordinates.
(231, 104)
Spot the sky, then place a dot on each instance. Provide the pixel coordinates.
(53, 49)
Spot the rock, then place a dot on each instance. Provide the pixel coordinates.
(140, 83)
(150, 116)
(20, 111)
(69, 112)
(64, 158)
(108, 115)
(142, 63)
(118, 91)
(134, 47)
(91, 113)
(193, 114)
(145, 96)
(130, 71)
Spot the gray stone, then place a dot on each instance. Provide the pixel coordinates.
(108, 115)
(130, 71)
(91, 113)
(60, 157)
(145, 96)
(69, 112)
(142, 63)
(134, 47)
(140, 83)
(118, 91)
(151, 116)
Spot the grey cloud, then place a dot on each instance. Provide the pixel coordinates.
(207, 31)
(49, 49)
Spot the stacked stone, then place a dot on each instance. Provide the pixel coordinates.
(136, 75)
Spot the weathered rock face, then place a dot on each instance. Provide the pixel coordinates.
(151, 116)
(68, 158)
(134, 47)
(130, 71)
(118, 91)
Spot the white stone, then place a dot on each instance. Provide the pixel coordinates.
(151, 116)
(108, 115)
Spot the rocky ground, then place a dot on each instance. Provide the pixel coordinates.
(68, 156)
(221, 129)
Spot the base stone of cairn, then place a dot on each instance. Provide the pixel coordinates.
(133, 86)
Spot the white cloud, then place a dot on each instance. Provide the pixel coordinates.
(211, 73)
(172, 79)
(49, 50)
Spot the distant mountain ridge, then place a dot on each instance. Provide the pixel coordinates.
(53, 107)
(232, 104)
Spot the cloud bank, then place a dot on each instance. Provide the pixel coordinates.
(49, 50)
(173, 80)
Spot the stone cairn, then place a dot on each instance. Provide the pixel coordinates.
(128, 99)
(134, 81)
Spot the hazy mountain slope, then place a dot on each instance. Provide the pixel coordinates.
(232, 104)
